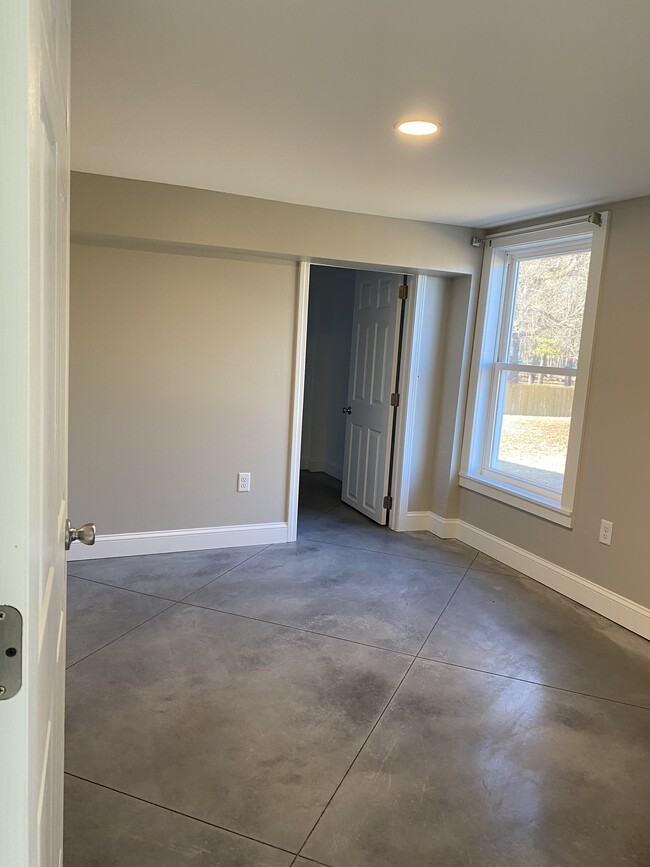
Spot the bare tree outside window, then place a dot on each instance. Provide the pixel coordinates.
(532, 434)
(549, 308)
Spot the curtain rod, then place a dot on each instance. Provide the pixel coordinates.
(595, 218)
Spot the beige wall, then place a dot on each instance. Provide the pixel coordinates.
(434, 298)
(614, 476)
(459, 332)
(181, 369)
(180, 376)
(183, 318)
(135, 210)
(442, 372)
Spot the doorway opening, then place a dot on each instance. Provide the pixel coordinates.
(354, 340)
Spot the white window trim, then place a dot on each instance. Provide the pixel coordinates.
(492, 297)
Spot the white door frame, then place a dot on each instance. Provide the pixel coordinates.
(405, 430)
(406, 418)
(299, 359)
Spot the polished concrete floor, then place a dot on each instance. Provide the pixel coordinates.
(357, 699)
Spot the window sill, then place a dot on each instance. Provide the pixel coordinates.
(519, 500)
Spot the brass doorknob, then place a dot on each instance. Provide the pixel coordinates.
(85, 534)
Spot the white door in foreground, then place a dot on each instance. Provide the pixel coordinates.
(34, 179)
(372, 379)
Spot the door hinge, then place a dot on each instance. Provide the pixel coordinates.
(388, 502)
(394, 399)
(403, 292)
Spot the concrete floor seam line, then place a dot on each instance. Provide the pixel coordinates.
(295, 628)
(337, 754)
(236, 565)
(358, 753)
(180, 813)
(440, 615)
(310, 861)
(128, 632)
(323, 514)
(531, 682)
(166, 598)
(125, 589)
(387, 553)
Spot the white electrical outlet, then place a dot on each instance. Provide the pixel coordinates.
(606, 529)
(243, 482)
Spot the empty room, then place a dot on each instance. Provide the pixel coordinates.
(325, 445)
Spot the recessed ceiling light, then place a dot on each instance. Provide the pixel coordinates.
(418, 127)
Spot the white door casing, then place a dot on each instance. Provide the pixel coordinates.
(34, 179)
(373, 363)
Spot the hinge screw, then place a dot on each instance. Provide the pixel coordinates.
(2, 615)
(2, 690)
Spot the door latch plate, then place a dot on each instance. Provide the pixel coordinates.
(11, 651)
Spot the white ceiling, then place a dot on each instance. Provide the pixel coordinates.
(543, 103)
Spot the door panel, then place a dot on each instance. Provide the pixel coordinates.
(372, 374)
(379, 366)
(374, 486)
(352, 463)
(360, 361)
(34, 177)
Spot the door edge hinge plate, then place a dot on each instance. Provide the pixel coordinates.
(11, 651)
(394, 399)
(403, 292)
(388, 502)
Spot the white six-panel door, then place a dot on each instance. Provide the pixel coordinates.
(372, 378)
(34, 183)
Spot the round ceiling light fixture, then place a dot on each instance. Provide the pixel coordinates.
(417, 127)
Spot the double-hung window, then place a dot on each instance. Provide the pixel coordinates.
(530, 368)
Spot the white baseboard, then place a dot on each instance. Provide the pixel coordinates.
(168, 541)
(416, 521)
(444, 528)
(334, 470)
(615, 607)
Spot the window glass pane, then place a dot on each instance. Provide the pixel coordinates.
(532, 428)
(549, 305)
